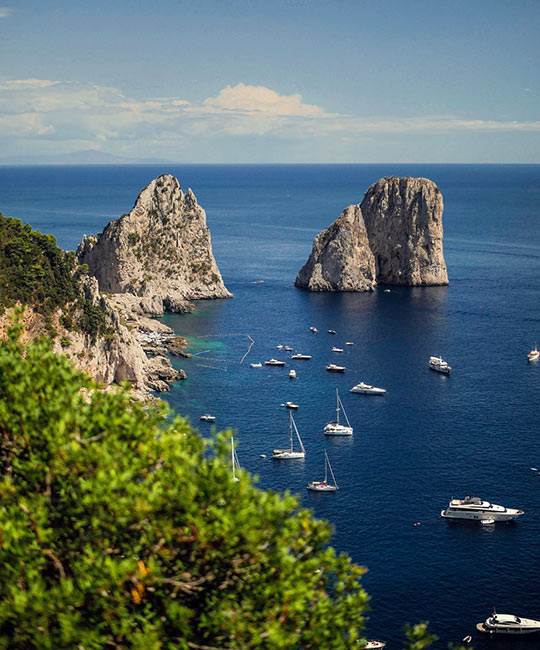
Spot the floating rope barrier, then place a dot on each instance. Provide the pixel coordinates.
(221, 336)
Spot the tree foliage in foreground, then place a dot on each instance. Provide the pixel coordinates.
(120, 529)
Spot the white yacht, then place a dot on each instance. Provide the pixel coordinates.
(234, 461)
(334, 349)
(477, 510)
(286, 454)
(292, 373)
(207, 417)
(298, 355)
(314, 329)
(274, 362)
(291, 405)
(349, 343)
(331, 331)
(332, 367)
(508, 624)
(335, 428)
(288, 348)
(256, 365)
(374, 645)
(534, 354)
(440, 365)
(279, 346)
(324, 486)
(367, 389)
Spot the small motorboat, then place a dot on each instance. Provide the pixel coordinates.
(279, 346)
(314, 329)
(256, 365)
(508, 624)
(207, 417)
(349, 343)
(373, 645)
(262, 455)
(291, 405)
(288, 348)
(534, 354)
(331, 367)
(334, 349)
(274, 362)
(367, 389)
(440, 365)
(292, 373)
(298, 355)
(331, 331)
(386, 290)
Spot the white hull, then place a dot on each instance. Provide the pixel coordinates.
(444, 370)
(321, 487)
(337, 430)
(508, 624)
(366, 389)
(285, 454)
(482, 516)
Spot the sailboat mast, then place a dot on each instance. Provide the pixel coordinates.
(325, 466)
(290, 427)
(232, 458)
(327, 460)
(297, 435)
(337, 406)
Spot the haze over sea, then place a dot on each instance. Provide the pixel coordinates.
(430, 437)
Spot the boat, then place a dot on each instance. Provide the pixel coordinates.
(374, 645)
(349, 343)
(291, 405)
(334, 349)
(367, 389)
(473, 508)
(279, 346)
(440, 365)
(331, 331)
(386, 290)
(287, 454)
(331, 367)
(292, 373)
(234, 461)
(256, 365)
(534, 354)
(207, 417)
(288, 348)
(324, 486)
(314, 329)
(274, 362)
(301, 356)
(508, 624)
(335, 428)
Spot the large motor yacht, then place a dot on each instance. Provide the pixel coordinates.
(440, 365)
(508, 624)
(474, 508)
(367, 389)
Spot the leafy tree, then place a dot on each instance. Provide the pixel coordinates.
(121, 528)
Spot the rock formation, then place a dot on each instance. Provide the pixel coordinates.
(393, 237)
(403, 218)
(160, 252)
(341, 259)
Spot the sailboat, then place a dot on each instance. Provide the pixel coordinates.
(324, 486)
(234, 461)
(285, 454)
(335, 428)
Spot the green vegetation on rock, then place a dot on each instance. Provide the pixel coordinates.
(35, 272)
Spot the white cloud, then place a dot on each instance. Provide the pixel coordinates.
(62, 112)
(5, 12)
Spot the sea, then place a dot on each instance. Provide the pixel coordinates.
(431, 437)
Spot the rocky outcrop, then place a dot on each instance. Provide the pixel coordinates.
(341, 259)
(403, 218)
(160, 252)
(393, 237)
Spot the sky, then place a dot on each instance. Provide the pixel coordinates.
(271, 81)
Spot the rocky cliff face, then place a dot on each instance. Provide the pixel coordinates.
(393, 237)
(341, 259)
(160, 251)
(403, 218)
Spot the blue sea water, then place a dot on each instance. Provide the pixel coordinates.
(430, 437)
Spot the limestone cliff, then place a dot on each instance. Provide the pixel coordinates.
(160, 251)
(403, 218)
(393, 237)
(341, 259)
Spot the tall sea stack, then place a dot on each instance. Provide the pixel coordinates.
(399, 241)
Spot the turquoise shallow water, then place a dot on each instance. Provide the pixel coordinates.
(430, 437)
